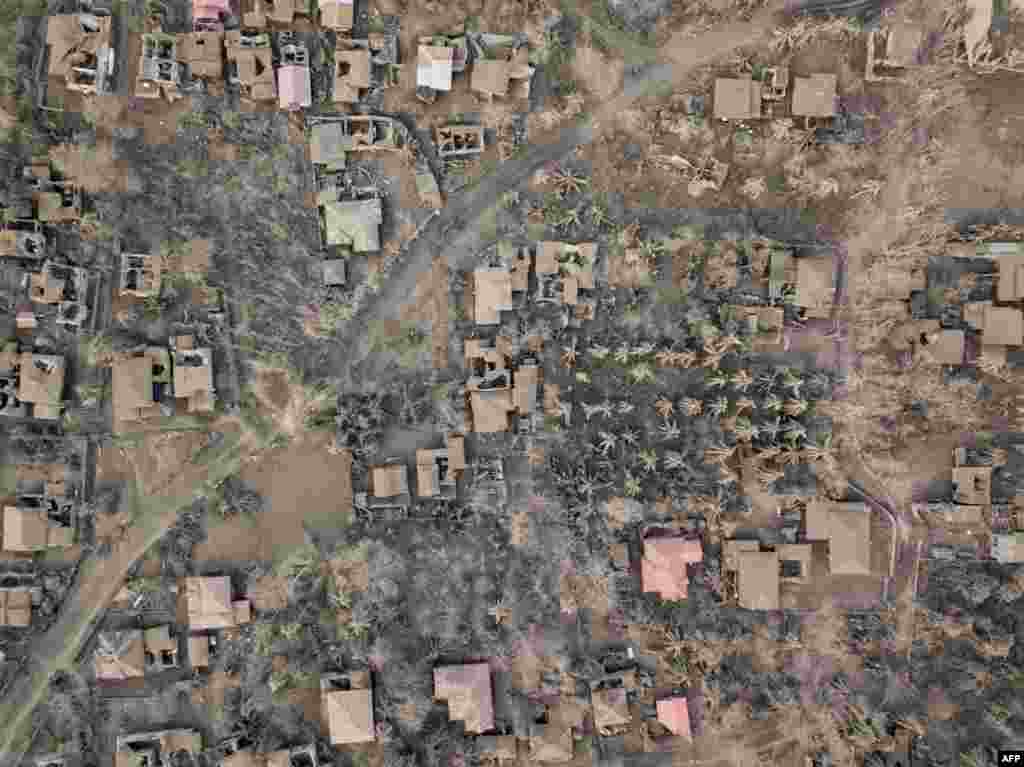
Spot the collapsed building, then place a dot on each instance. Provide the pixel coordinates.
(55, 200)
(438, 470)
(160, 74)
(250, 64)
(81, 51)
(209, 15)
(123, 656)
(459, 140)
(162, 748)
(62, 286)
(31, 385)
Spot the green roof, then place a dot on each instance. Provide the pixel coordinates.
(353, 223)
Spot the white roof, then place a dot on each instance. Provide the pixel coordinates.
(434, 67)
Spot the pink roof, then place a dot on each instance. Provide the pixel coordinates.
(206, 9)
(472, 680)
(675, 715)
(293, 86)
(663, 568)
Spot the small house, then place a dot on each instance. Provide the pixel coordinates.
(15, 607)
(459, 140)
(1008, 548)
(250, 64)
(434, 67)
(157, 749)
(390, 480)
(348, 708)
(203, 51)
(351, 73)
(467, 691)
(814, 96)
(674, 716)
(757, 579)
(737, 98)
(139, 383)
(41, 384)
(193, 375)
(337, 15)
(28, 530)
(140, 275)
(81, 51)
(209, 604)
(293, 83)
(437, 471)
(352, 223)
(492, 294)
(972, 485)
(663, 567)
(209, 15)
(159, 73)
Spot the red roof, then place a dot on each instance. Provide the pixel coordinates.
(663, 568)
(675, 715)
(293, 86)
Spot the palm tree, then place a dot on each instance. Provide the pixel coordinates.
(745, 430)
(768, 477)
(664, 358)
(643, 350)
(773, 404)
(569, 355)
(664, 407)
(599, 353)
(669, 430)
(674, 460)
(608, 442)
(742, 379)
(626, 407)
(683, 359)
(583, 376)
(768, 454)
(566, 181)
(745, 405)
(642, 372)
(693, 407)
(622, 354)
(629, 436)
(729, 343)
(791, 380)
(719, 406)
(794, 407)
(718, 453)
(632, 487)
(648, 459)
(790, 457)
(766, 381)
(823, 452)
(718, 379)
(713, 354)
(771, 429)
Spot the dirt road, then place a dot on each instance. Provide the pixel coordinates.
(99, 582)
(453, 232)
